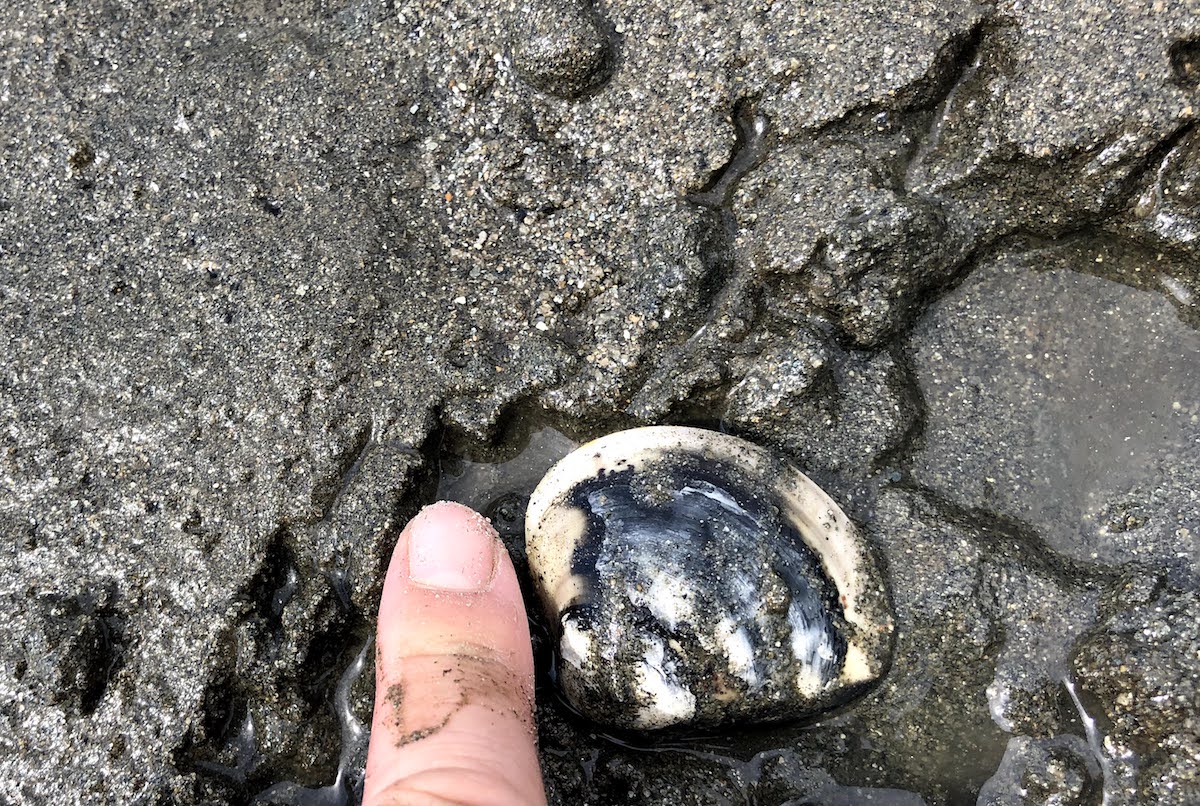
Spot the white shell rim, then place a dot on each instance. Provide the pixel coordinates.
(825, 528)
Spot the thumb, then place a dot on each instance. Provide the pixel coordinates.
(454, 671)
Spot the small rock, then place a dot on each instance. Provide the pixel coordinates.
(1138, 672)
(831, 409)
(560, 47)
(1060, 770)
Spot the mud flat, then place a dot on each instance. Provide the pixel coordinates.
(270, 275)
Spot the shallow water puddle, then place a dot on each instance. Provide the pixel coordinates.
(1069, 402)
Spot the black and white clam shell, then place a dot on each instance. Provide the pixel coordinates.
(697, 579)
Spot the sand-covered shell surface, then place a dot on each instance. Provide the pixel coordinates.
(695, 578)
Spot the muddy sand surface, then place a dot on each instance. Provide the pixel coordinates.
(272, 276)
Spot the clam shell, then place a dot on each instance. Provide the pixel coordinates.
(695, 578)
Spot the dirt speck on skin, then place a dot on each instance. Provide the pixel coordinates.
(464, 679)
(404, 734)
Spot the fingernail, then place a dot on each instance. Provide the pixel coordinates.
(450, 552)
